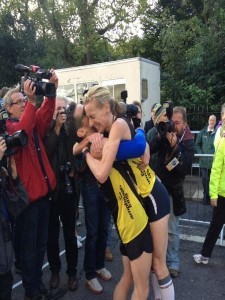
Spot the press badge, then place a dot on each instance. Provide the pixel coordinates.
(172, 164)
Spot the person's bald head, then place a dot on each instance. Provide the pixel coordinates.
(212, 122)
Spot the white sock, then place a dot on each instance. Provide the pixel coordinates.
(167, 288)
(155, 286)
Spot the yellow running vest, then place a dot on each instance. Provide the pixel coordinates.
(144, 179)
(131, 218)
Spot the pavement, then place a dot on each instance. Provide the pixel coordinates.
(195, 282)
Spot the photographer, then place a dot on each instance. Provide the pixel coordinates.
(136, 119)
(175, 147)
(63, 203)
(159, 116)
(37, 177)
(13, 199)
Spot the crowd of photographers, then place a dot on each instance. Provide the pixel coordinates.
(46, 169)
(41, 140)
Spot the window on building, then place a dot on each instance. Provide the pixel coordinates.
(66, 90)
(144, 89)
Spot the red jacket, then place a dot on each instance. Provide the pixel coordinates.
(27, 162)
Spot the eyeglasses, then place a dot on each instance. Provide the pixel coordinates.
(19, 101)
(60, 107)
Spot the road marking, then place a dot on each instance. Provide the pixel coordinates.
(186, 237)
(196, 238)
(43, 267)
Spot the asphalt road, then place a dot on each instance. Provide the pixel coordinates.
(195, 282)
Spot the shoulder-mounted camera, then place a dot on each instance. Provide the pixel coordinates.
(43, 88)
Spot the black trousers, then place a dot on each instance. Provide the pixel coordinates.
(65, 209)
(216, 224)
(6, 283)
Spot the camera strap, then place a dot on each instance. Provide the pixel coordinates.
(36, 140)
(169, 157)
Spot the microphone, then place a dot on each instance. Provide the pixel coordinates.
(22, 68)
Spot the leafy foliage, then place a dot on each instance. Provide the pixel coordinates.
(186, 37)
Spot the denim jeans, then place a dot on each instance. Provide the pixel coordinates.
(109, 234)
(205, 183)
(65, 208)
(172, 256)
(34, 234)
(96, 220)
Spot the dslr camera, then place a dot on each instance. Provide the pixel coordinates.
(65, 170)
(18, 139)
(168, 126)
(43, 88)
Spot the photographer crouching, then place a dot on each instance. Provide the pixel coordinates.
(174, 145)
(36, 175)
(63, 203)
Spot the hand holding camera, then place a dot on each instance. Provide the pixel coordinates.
(39, 77)
(30, 90)
(172, 138)
(54, 78)
(60, 119)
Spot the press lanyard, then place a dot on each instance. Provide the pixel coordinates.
(180, 140)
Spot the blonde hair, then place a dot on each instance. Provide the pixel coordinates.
(101, 95)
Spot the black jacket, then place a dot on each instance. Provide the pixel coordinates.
(184, 152)
(173, 179)
(13, 200)
(148, 125)
(60, 157)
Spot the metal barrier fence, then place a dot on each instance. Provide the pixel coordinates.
(197, 212)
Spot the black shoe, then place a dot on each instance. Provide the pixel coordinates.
(44, 291)
(174, 273)
(58, 293)
(36, 297)
(72, 283)
(54, 281)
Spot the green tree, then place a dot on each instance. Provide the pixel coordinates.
(188, 38)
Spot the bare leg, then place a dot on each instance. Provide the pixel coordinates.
(125, 283)
(140, 269)
(159, 231)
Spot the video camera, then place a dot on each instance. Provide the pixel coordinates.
(168, 126)
(18, 139)
(43, 88)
